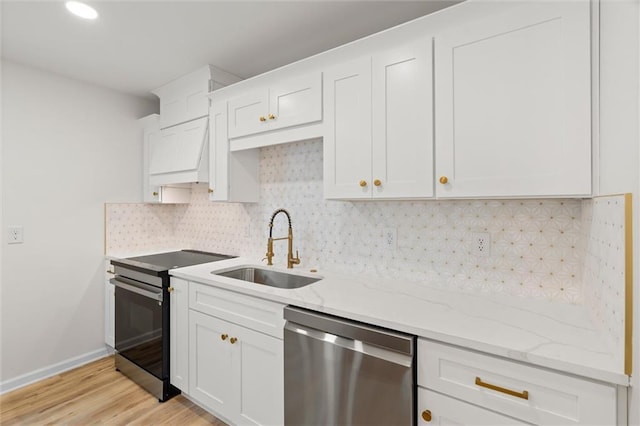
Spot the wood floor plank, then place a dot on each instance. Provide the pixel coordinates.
(96, 394)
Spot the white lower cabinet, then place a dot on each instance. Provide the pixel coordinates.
(500, 389)
(444, 410)
(179, 333)
(235, 372)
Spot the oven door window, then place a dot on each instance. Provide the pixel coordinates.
(139, 325)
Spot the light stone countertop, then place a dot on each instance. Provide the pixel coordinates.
(547, 334)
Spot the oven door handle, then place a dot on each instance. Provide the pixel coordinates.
(136, 289)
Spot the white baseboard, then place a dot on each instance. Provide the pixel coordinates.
(52, 370)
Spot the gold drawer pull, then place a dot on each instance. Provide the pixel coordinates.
(272, 117)
(363, 183)
(233, 340)
(263, 118)
(224, 336)
(523, 394)
(426, 415)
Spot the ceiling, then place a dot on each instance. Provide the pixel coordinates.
(136, 46)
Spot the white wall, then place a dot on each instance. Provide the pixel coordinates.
(67, 148)
(620, 135)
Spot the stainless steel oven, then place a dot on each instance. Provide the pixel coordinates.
(142, 316)
(140, 330)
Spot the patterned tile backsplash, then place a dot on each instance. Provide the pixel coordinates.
(536, 249)
(604, 265)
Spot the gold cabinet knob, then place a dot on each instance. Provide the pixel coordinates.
(210, 190)
(263, 118)
(233, 340)
(444, 180)
(224, 336)
(170, 289)
(426, 415)
(377, 182)
(363, 183)
(272, 117)
(155, 194)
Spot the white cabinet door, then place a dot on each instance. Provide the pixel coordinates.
(212, 374)
(440, 410)
(513, 103)
(402, 99)
(109, 314)
(295, 101)
(151, 135)
(233, 176)
(261, 377)
(248, 113)
(288, 103)
(347, 141)
(179, 333)
(236, 372)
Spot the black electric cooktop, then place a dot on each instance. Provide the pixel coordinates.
(162, 262)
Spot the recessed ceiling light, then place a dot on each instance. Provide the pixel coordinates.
(81, 9)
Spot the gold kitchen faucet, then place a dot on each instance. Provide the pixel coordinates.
(290, 259)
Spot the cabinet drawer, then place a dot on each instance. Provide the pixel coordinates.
(527, 393)
(437, 409)
(257, 314)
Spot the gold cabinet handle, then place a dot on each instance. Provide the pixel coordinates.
(263, 118)
(523, 394)
(363, 183)
(224, 336)
(444, 180)
(210, 190)
(377, 182)
(233, 340)
(272, 117)
(155, 194)
(426, 415)
(170, 289)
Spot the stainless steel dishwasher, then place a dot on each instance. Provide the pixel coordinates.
(342, 372)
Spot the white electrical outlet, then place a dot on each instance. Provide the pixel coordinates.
(16, 235)
(389, 238)
(481, 244)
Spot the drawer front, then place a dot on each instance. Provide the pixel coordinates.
(251, 312)
(527, 393)
(437, 409)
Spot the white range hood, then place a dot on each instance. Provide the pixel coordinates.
(179, 154)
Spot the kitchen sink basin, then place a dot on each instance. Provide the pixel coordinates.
(268, 277)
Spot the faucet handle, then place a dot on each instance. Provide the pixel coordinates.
(296, 260)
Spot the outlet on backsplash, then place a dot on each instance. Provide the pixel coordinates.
(389, 238)
(481, 244)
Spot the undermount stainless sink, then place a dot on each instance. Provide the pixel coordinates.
(268, 277)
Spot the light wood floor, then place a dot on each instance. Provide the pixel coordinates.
(96, 394)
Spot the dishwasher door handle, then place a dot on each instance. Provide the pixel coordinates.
(351, 344)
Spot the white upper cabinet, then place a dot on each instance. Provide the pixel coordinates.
(291, 102)
(513, 103)
(185, 98)
(233, 176)
(379, 125)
